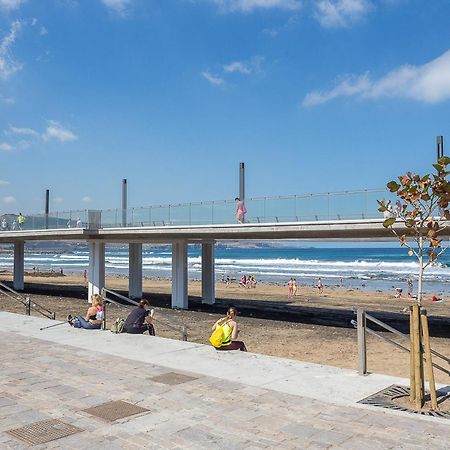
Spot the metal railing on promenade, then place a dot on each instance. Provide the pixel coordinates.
(361, 326)
(346, 205)
(26, 301)
(126, 303)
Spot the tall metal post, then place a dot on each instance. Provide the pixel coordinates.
(124, 202)
(241, 181)
(47, 207)
(440, 146)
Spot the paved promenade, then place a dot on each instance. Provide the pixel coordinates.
(193, 396)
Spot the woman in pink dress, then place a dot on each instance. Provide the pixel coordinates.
(240, 210)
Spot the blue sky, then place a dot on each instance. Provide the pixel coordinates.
(314, 95)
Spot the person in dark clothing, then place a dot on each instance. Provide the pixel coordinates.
(140, 320)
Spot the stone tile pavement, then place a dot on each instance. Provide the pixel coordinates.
(42, 380)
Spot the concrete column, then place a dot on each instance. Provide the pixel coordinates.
(208, 274)
(18, 283)
(179, 275)
(96, 268)
(135, 271)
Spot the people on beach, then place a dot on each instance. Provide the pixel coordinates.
(294, 287)
(20, 220)
(241, 210)
(94, 315)
(229, 327)
(290, 288)
(410, 288)
(398, 292)
(319, 285)
(85, 275)
(243, 282)
(140, 320)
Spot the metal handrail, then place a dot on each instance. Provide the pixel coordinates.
(27, 302)
(384, 338)
(130, 302)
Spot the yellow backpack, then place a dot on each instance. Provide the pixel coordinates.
(217, 337)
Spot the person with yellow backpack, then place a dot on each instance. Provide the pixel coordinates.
(225, 331)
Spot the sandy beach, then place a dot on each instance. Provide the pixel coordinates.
(312, 343)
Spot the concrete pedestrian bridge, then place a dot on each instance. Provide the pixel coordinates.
(350, 215)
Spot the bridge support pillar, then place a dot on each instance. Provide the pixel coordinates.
(208, 274)
(179, 275)
(135, 270)
(19, 260)
(96, 268)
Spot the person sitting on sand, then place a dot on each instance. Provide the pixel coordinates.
(140, 320)
(230, 331)
(94, 315)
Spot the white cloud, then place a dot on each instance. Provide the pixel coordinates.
(6, 147)
(341, 13)
(252, 5)
(429, 83)
(9, 200)
(58, 199)
(43, 31)
(213, 79)
(9, 5)
(86, 199)
(7, 64)
(237, 66)
(244, 67)
(55, 131)
(4, 183)
(22, 131)
(120, 7)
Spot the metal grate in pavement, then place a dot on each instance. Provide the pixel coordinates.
(173, 378)
(384, 399)
(115, 410)
(43, 432)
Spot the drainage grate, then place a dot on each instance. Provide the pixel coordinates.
(173, 378)
(45, 431)
(384, 399)
(112, 411)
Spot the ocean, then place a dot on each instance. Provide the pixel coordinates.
(364, 268)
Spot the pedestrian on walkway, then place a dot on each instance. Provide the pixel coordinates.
(140, 320)
(20, 221)
(4, 224)
(230, 331)
(241, 210)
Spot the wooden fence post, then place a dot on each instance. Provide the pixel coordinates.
(412, 379)
(418, 361)
(428, 361)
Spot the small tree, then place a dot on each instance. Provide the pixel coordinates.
(423, 209)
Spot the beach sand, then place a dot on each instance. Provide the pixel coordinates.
(311, 343)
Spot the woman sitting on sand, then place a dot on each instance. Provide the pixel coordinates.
(140, 320)
(230, 331)
(94, 315)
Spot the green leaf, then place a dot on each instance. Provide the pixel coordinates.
(438, 167)
(389, 222)
(393, 186)
(444, 161)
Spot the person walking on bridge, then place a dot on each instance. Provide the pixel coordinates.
(241, 210)
(20, 220)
